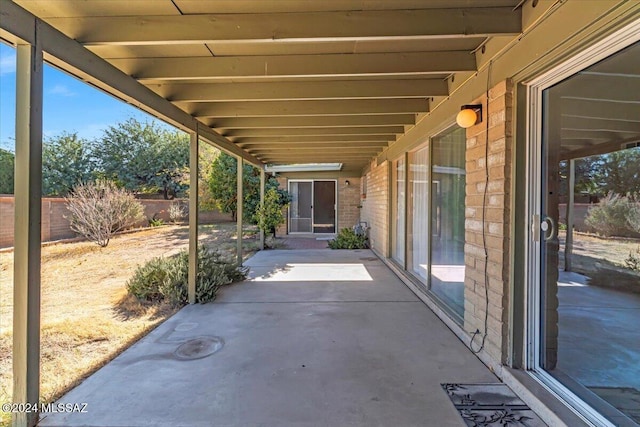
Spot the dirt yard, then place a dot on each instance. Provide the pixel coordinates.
(87, 318)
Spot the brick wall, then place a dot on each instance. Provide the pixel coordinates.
(374, 207)
(496, 221)
(348, 202)
(55, 226)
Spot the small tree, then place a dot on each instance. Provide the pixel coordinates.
(7, 161)
(269, 216)
(222, 183)
(99, 209)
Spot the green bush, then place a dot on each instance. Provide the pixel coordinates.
(615, 215)
(148, 278)
(155, 221)
(166, 279)
(348, 239)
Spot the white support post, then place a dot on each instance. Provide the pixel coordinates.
(568, 246)
(28, 191)
(262, 184)
(193, 216)
(239, 209)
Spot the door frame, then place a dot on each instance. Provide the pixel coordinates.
(533, 259)
(313, 181)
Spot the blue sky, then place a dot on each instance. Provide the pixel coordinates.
(69, 104)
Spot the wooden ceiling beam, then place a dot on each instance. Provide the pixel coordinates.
(317, 90)
(204, 28)
(306, 108)
(368, 152)
(379, 130)
(312, 121)
(314, 138)
(316, 146)
(577, 123)
(336, 65)
(600, 109)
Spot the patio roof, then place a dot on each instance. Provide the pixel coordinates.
(289, 81)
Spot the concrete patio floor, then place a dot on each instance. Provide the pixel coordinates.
(313, 338)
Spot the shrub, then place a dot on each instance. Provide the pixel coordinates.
(155, 221)
(615, 215)
(99, 209)
(166, 279)
(177, 212)
(633, 260)
(148, 278)
(269, 216)
(348, 239)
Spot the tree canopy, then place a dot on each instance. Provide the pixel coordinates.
(66, 162)
(222, 183)
(144, 157)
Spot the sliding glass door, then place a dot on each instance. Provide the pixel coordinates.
(428, 215)
(313, 206)
(447, 218)
(585, 239)
(418, 214)
(398, 208)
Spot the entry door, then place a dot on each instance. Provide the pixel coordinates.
(324, 206)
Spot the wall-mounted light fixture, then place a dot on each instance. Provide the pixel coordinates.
(469, 115)
(347, 182)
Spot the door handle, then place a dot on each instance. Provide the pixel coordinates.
(548, 226)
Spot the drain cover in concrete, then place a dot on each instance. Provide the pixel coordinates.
(198, 348)
(185, 326)
(484, 405)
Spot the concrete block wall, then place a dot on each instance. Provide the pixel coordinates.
(375, 202)
(56, 227)
(496, 221)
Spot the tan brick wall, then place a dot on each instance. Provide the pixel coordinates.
(348, 202)
(375, 207)
(496, 222)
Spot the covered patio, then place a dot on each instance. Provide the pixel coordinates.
(312, 338)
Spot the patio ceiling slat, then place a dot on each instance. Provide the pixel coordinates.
(380, 130)
(294, 90)
(203, 28)
(293, 80)
(369, 64)
(311, 121)
(306, 108)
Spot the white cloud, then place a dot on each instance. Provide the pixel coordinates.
(61, 90)
(7, 64)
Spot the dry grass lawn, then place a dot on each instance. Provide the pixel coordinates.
(87, 318)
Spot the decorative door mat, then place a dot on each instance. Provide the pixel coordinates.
(488, 405)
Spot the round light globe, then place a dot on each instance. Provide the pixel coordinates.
(466, 118)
